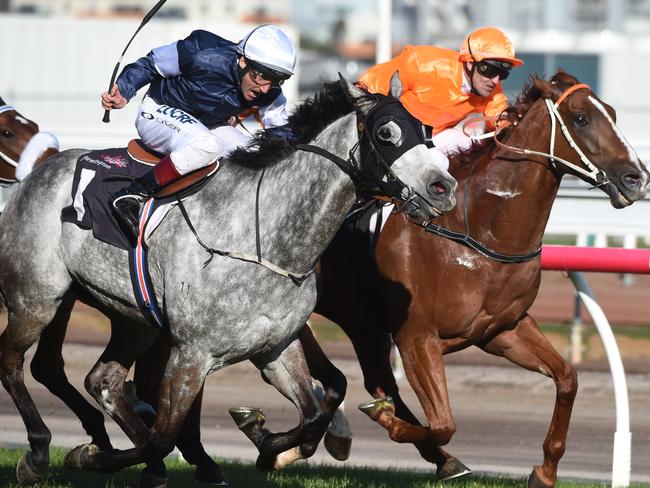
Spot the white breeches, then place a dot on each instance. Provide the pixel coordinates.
(190, 144)
(37, 145)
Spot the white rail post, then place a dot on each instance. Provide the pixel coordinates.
(621, 462)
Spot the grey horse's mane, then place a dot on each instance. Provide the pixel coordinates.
(305, 123)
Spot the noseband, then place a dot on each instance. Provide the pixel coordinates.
(595, 175)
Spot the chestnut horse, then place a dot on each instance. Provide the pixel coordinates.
(15, 133)
(434, 295)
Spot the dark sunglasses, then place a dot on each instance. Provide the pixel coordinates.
(260, 75)
(490, 71)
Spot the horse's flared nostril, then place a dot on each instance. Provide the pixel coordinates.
(634, 181)
(438, 189)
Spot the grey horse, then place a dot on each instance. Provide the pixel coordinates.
(229, 310)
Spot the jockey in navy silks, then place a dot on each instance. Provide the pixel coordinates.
(197, 87)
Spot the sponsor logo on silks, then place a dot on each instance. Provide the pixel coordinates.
(117, 160)
(96, 162)
(169, 125)
(147, 115)
(176, 114)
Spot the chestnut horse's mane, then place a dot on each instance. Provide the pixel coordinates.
(528, 96)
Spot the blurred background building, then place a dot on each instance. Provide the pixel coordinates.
(57, 55)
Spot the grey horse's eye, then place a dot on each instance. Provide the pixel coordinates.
(389, 134)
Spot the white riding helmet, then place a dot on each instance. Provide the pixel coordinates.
(269, 46)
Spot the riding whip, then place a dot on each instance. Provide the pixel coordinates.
(146, 19)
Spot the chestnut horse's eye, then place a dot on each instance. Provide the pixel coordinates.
(6, 133)
(580, 120)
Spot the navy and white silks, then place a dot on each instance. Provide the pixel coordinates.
(194, 90)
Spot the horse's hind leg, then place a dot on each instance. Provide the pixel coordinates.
(23, 329)
(373, 350)
(527, 347)
(289, 374)
(47, 368)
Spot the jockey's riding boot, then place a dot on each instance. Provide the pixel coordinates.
(127, 202)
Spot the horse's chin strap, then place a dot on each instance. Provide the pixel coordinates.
(592, 173)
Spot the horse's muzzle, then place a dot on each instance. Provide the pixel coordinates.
(442, 194)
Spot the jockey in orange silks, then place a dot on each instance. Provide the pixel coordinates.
(443, 87)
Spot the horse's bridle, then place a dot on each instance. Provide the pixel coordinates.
(5, 158)
(595, 175)
(394, 188)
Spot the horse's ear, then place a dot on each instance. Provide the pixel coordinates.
(547, 89)
(395, 85)
(356, 95)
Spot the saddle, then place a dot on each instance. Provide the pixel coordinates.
(142, 154)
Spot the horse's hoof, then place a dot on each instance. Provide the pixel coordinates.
(338, 447)
(535, 482)
(80, 457)
(244, 416)
(452, 468)
(376, 407)
(25, 474)
(148, 480)
(210, 474)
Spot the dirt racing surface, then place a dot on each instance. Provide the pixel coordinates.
(502, 412)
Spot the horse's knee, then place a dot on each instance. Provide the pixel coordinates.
(567, 383)
(102, 387)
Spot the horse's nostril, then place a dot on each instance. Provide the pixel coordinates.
(632, 180)
(437, 188)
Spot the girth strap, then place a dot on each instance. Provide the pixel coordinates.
(480, 247)
(297, 278)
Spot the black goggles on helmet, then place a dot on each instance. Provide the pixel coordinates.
(493, 67)
(260, 73)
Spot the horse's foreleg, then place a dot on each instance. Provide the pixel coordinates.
(289, 374)
(424, 370)
(149, 369)
(373, 349)
(47, 367)
(527, 347)
(182, 381)
(338, 438)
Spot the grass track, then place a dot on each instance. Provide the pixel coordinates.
(245, 476)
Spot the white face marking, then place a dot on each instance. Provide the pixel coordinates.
(21, 119)
(467, 260)
(504, 194)
(631, 153)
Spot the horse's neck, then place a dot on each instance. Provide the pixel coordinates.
(303, 200)
(509, 198)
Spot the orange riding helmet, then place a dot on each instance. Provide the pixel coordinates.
(488, 43)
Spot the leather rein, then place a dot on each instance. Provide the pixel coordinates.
(594, 174)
